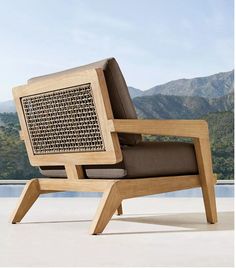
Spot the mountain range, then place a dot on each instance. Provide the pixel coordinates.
(213, 86)
(180, 107)
(213, 93)
(186, 98)
(135, 92)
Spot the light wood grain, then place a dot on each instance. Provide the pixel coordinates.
(95, 77)
(87, 185)
(74, 172)
(178, 128)
(203, 154)
(108, 205)
(29, 195)
(148, 186)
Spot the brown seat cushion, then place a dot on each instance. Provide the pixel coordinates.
(121, 102)
(148, 159)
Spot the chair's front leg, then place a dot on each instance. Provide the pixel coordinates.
(29, 195)
(203, 154)
(108, 205)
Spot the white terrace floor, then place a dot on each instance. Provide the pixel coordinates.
(152, 232)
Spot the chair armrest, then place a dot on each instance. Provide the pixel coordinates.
(178, 128)
(195, 129)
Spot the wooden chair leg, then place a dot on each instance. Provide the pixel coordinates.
(119, 211)
(29, 195)
(203, 154)
(108, 205)
(208, 193)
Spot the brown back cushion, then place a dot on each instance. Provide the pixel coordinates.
(121, 102)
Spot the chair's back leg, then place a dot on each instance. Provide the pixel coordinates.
(29, 195)
(119, 211)
(203, 154)
(108, 205)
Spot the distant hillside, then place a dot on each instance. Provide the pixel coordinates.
(134, 92)
(14, 163)
(180, 107)
(224, 103)
(221, 127)
(7, 107)
(212, 86)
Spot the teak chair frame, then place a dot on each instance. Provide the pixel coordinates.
(114, 190)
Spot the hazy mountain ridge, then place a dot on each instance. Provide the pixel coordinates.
(7, 107)
(134, 92)
(213, 86)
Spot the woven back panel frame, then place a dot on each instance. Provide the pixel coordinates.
(66, 120)
(63, 120)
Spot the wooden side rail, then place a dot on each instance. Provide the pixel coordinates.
(178, 128)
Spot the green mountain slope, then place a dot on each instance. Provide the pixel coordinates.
(221, 128)
(180, 107)
(224, 103)
(14, 163)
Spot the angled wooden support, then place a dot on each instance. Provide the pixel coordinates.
(29, 195)
(109, 203)
(35, 187)
(130, 188)
(203, 155)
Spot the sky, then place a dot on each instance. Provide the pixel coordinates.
(154, 41)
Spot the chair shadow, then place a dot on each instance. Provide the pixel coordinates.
(193, 222)
(59, 221)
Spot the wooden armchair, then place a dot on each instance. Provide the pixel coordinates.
(80, 127)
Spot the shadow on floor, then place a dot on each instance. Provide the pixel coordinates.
(58, 221)
(189, 222)
(193, 222)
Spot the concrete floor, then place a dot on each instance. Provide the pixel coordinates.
(169, 232)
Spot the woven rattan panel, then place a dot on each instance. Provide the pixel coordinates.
(63, 121)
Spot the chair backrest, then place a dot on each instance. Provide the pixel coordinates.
(121, 103)
(64, 119)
